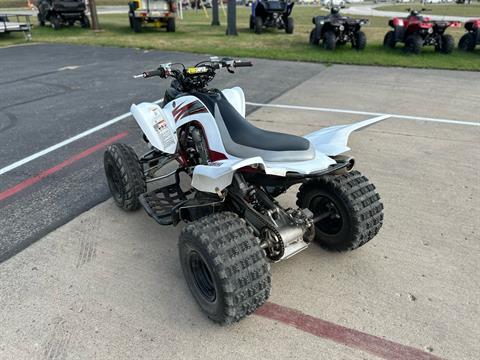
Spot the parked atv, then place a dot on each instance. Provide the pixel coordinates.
(336, 29)
(161, 13)
(417, 31)
(62, 12)
(224, 184)
(472, 37)
(271, 14)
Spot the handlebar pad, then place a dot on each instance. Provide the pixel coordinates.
(242, 63)
(159, 72)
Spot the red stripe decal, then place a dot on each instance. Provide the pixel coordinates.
(33, 180)
(353, 338)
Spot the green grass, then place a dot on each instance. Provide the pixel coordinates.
(194, 34)
(471, 10)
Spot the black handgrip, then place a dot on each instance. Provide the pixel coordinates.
(159, 72)
(242, 63)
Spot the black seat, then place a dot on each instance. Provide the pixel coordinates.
(242, 139)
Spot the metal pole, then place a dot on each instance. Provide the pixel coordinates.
(232, 18)
(93, 15)
(215, 19)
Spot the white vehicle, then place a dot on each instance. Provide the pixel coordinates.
(332, 3)
(234, 171)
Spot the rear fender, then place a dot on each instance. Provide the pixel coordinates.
(218, 175)
(333, 140)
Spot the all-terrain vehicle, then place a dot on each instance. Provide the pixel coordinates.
(62, 12)
(336, 29)
(161, 13)
(417, 31)
(226, 175)
(272, 14)
(472, 37)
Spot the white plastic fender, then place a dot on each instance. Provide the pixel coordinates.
(236, 97)
(218, 175)
(157, 126)
(333, 140)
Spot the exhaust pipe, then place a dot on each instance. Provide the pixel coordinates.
(348, 161)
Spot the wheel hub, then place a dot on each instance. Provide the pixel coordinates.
(202, 277)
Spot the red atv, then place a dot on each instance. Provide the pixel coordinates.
(472, 37)
(417, 31)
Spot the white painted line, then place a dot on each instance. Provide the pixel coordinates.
(342, 111)
(65, 142)
(71, 67)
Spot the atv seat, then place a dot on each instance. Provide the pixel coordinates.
(242, 139)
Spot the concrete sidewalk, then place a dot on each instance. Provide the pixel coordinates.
(108, 284)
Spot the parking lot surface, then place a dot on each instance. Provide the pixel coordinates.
(109, 285)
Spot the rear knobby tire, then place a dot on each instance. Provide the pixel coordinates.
(314, 41)
(252, 22)
(329, 40)
(467, 42)
(414, 44)
(224, 266)
(360, 40)
(389, 40)
(124, 176)
(354, 205)
(258, 24)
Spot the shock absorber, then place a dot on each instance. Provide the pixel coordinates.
(200, 145)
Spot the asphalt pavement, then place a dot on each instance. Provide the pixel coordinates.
(49, 93)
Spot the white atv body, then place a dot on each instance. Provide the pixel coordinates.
(160, 127)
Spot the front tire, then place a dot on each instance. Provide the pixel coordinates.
(467, 42)
(225, 268)
(171, 25)
(389, 40)
(329, 40)
(136, 24)
(360, 40)
(252, 22)
(258, 25)
(124, 176)
(56, 23)
(447, 44)
(289, 25)
(314, 41)
(350, 205)
(85, 23)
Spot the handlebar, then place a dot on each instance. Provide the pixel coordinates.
(240, 63)
(197, 76)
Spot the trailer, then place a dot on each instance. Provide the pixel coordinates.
(16, 22)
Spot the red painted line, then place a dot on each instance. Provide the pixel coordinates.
(353, 338)
(35, 179)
